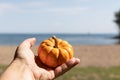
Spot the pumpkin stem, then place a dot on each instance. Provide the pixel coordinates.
(56, 43)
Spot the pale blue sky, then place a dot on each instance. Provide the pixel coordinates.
(58, 16)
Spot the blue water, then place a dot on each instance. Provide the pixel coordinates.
(74, 39)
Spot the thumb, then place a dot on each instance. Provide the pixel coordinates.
(28, 43)
(24, 46)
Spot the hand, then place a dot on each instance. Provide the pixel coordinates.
(26, 56)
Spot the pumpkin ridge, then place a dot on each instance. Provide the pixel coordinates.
(61, 57)
(46, 58)
(69, 53)
(48, 43)
(48, 55)
(50, 52)
(50, 39)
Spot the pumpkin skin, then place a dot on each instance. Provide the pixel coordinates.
(54, 52)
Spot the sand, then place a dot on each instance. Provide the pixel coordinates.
(99, 56)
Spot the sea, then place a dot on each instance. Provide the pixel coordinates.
(74, 39)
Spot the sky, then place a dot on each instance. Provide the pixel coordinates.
(58, 16)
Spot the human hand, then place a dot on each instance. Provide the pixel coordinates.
(39, 71)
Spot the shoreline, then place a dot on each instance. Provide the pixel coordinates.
(90, 55)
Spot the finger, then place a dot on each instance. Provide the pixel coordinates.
(66, 66)
(28, 42)
(24, 48)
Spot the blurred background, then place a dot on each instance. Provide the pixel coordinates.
(91, 26)
(89, 19)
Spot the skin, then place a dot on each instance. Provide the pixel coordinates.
(27, 66)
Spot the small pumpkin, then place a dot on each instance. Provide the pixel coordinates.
(54, 52)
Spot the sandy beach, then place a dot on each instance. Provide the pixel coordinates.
(100, 56)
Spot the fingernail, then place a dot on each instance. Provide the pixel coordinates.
(77, 60)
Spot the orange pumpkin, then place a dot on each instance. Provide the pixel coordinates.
(54, 52)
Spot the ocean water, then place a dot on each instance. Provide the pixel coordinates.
(74, 39)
